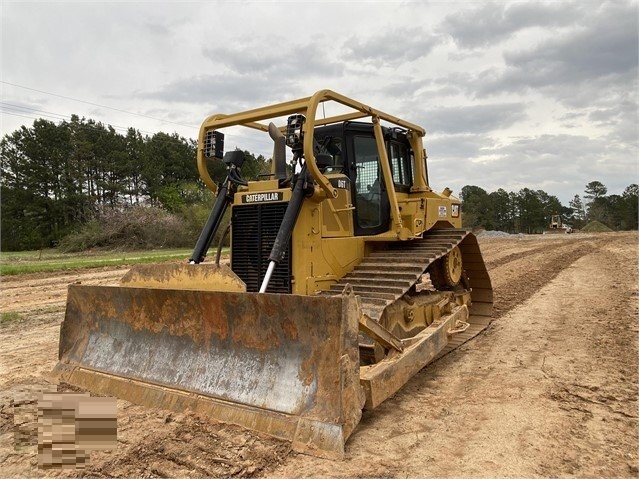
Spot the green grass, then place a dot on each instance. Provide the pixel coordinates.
(22, 262)
(10, 317)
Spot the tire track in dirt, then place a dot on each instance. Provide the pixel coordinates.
(414, 432)
(540, 394)
(508, 258)
(523, 282)
(32, 292)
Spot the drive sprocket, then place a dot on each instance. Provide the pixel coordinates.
(447, 271)
(452, 266)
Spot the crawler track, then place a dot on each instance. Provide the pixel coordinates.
(387, 274)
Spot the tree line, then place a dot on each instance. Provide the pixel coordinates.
(57, 177)
(529, 211)
(83, 178)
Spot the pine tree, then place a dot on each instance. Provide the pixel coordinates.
(578, 216)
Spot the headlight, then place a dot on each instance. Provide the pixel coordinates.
(294, 126)
(214, 144)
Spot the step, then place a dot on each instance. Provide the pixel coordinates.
(379, 266)
(368, 281)
(359, 288)
(381, 276)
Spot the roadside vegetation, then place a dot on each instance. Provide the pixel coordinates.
(529, 211)
(49, 260)
(79, 185)
(10, 317)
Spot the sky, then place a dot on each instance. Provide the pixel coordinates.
(539, 95)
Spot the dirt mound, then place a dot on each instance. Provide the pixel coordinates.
(595, 227)
(186, 445)
(493, 234)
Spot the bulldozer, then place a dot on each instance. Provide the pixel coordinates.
(348, 274)
(556, 226)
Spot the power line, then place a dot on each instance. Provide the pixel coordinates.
(15, 114)
(96, 127)
(31, 117)
(13, 107)
(55, 116)
(97, 104)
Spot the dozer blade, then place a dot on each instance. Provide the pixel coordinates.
(200, 277)
(285, 365)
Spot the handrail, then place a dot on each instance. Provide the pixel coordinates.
(308, 107)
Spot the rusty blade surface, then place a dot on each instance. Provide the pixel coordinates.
(200, 277)
(284, 364)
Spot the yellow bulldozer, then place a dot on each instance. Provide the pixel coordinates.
(348, 274)
(557, 226)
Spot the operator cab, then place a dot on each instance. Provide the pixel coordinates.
(353, 149)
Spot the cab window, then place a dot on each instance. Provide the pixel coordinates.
(368, 183)
(400, 160)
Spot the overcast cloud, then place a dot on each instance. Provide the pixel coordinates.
(512, 94)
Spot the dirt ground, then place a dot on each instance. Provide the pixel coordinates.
(549, 390)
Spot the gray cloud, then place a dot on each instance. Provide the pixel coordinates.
(566, 159)
(250, 74)
(223, 92)
(548, 151)
(561, 165)
(271, 59)
(620, 117)
(474, 118)
(406, 89)
(496, 22)
(604, 51)
(158, 29)
(242, 59)
(474, 75)
(391, 48)
(458, 147)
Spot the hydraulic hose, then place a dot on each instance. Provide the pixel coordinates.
(212, 224)
(286, 228)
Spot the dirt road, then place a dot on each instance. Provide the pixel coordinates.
(550, 389)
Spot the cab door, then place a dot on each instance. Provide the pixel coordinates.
(372, 211)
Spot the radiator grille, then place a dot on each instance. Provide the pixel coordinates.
(255, 227)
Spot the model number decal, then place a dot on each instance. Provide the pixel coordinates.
(341, 183)
(263, 197)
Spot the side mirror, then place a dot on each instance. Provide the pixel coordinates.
(235, 157)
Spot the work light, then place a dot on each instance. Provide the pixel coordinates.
(294, 126)
(214, 144)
